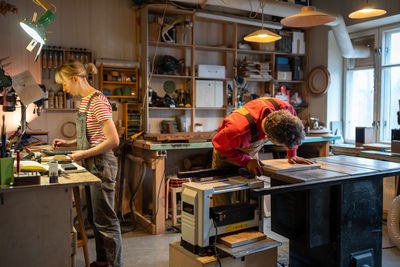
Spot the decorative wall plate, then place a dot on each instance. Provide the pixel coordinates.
(319, 80)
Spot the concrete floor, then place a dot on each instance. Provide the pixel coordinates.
(143, 250)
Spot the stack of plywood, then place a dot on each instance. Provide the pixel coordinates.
(254, 69)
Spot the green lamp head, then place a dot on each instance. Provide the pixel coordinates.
(36, 30)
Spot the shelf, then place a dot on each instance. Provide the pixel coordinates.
(261, 52)
(121, 96)
(175, 45)
(168, 108)
(285, 81)
(61, 109)
(211, 108)
(257, 80)
(116, 82)
(217, 79)
(214, 48)
(289, 54)
(170, 76)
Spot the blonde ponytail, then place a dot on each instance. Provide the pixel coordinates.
(73, 68)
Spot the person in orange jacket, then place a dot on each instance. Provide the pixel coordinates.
(245, 131)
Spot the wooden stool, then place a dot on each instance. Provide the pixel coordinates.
(83, 241)
(174, 212)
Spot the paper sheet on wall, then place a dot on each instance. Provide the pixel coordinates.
(26, 87)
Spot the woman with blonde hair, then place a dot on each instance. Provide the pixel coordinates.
(96, 136)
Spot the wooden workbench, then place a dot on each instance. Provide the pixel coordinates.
(331, 214)
(36, 225)
(155, 154)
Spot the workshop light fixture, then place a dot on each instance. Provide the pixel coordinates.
(308, 17)
(367, 11)
(35, 29)
(263, 35)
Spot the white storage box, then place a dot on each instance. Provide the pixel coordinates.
(211, 71)
(209, 94)
(284, 75)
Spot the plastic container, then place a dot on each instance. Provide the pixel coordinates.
(53, 171)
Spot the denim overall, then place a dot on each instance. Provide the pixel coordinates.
(106, 226)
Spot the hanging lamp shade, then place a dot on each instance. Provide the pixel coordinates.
(36, 29)
(367, 12)
(262, 36)
(308, 17)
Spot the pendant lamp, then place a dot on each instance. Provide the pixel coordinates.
(367, 11)
(263, 35)
(308, 17)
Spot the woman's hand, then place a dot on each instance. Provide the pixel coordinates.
(254, 167)
(57, 143)
(299, 160)
(78, 155)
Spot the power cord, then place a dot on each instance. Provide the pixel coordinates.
(215, 244)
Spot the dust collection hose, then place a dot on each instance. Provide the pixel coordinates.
(393, 221)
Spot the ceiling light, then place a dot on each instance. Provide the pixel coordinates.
(308, 17)
(263, 35)
(367, 12)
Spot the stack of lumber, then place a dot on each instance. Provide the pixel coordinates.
(180, 136)
(254, 69)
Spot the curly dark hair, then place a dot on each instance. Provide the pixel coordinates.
(284, 128)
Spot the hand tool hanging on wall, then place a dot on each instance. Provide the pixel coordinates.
(50, 60)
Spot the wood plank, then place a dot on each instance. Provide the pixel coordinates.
(350, 170)
(283, 166)
(179, 136)
(158, 189)
(246, 250)
(243, 238)
(377, 147)
(378, 165)
(311, 175)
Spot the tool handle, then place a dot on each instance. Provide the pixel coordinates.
(18, 161)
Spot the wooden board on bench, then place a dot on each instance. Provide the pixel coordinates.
(282, 166)
(181, 136)
(242, 238)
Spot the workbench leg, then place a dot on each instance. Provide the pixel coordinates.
(159, 192)
(324, 150)
(83, 241)
(174, 211)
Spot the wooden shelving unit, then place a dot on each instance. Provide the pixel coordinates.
(132, 119)
(125, 87)
(226, 52)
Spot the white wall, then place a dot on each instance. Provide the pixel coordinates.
(317, 56)
(107, 28)
(335, 92)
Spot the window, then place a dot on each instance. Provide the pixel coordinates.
(390, 83)
(372, 85)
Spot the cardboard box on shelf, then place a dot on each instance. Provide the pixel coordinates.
(284, 75)
(211, 71)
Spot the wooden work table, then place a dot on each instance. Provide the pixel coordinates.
(331, 214)
(155, 153)
(36, 225)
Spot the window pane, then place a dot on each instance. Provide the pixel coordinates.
(390, 101)
(392, 52)
(359, 101)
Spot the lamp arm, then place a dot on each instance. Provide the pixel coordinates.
(46, 5)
